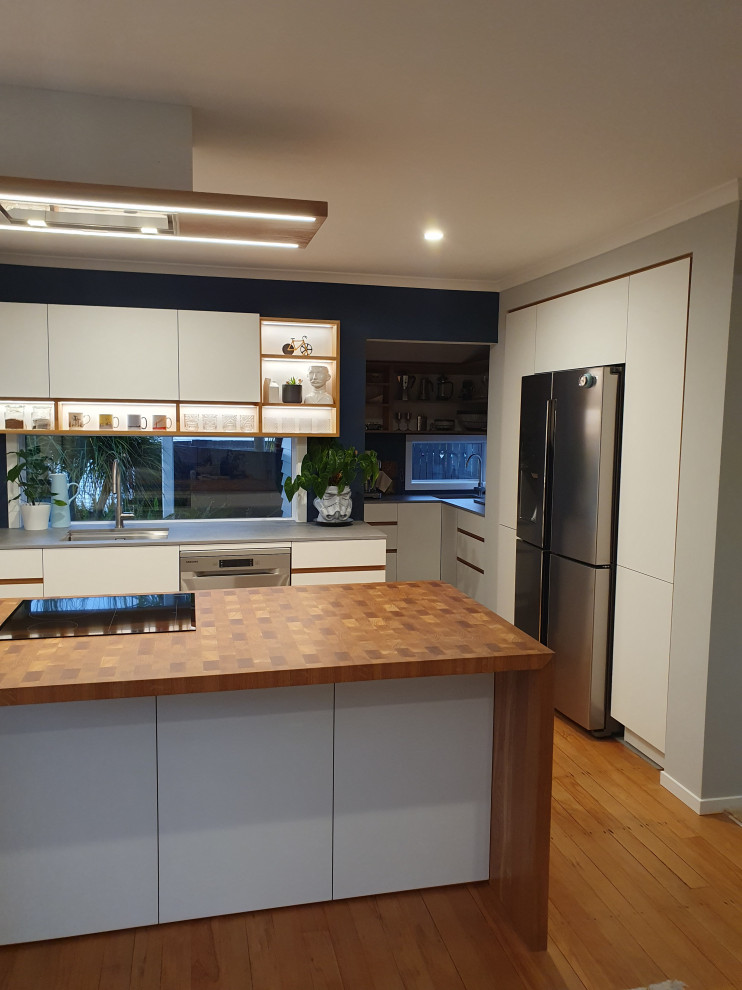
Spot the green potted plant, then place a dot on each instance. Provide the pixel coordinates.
(291, 391)
(32, 474)
(329, 470)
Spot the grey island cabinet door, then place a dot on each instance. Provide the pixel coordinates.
(78, 826)
(413, 783)
(245, 800)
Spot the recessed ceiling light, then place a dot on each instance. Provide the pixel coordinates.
(174, 215)
(433, 234)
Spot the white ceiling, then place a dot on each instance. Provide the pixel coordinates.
(528, 130)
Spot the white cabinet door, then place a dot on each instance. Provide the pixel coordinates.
(641, 655)
(504, 593)
(78, 829)
(449, 515)
(583, 328)
(219, 356)
(518, 360)
(652, 419)
(108, 352)
(245, 800)
(24, 351)
(419, 541)
(413, 776)
(129, 570)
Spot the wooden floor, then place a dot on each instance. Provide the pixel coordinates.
(642, 891)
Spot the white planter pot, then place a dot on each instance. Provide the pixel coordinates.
(334, 508)
(35, 516)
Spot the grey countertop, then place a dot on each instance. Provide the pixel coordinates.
(459, 503)
(201, 531)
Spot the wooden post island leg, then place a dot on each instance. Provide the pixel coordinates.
(521, 799)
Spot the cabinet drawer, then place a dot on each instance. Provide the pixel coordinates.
(469, 581)
(315, 554)
(470, 549)
(470, 522)
(389, 529)
(378, 512)
(338, 577)
(111, 571)
(18, 565)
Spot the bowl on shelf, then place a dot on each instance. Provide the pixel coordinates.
(473, 421)
(444, 425)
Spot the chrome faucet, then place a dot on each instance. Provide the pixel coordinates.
(479, 490)
(116, 492)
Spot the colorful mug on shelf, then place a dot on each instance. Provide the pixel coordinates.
(136, 422)
(106, 421)
(161, 422)
(78, 419)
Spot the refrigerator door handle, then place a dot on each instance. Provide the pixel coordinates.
(549, 428)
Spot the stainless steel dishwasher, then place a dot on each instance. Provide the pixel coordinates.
(246, 567)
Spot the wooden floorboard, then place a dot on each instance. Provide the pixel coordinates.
(642, 890)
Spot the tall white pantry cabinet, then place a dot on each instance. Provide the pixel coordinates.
(640, 319)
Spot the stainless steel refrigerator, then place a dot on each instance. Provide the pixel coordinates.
(567, 514)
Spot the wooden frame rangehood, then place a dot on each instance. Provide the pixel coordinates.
(42, 207)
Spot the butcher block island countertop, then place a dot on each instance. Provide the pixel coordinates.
(275, 637)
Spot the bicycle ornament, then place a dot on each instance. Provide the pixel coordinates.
(302, 347)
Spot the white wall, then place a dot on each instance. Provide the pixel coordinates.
(76, 137)
(711, 239)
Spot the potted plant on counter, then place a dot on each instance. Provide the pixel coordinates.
(32, 474)
(329, 470)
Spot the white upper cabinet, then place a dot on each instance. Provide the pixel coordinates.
(24, 345)
(219, 356)
(583, 329)
(653, 416)
(110, 352)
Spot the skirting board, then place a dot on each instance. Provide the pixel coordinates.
(701, 806)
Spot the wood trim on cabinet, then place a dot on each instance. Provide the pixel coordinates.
(338, 570)
(392, 551)
(603, 281)
(392, 522)
(465, 532)
(473, 566)
(34, 580)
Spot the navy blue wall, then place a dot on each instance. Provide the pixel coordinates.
(364, 311)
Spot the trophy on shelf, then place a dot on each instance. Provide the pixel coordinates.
(405, 384)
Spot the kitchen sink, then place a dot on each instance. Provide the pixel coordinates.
(130, 533)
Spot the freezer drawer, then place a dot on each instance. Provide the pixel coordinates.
(578, 622)
(530, 563)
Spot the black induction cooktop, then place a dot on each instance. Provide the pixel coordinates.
(51, 618)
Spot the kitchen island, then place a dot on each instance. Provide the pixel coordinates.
(401, 738)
